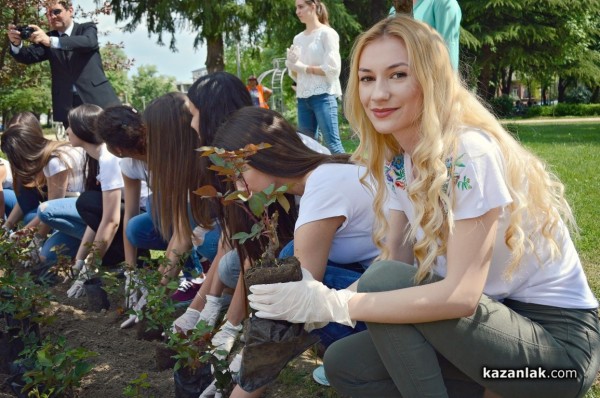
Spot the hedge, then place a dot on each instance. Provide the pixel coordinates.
(564, 110)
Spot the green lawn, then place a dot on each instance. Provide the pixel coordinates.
(572, 151)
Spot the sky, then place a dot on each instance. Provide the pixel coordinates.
(145, 51)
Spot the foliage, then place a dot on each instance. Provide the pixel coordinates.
(578, 95)
(116, 64)
(159, 311)
(528, 36)
(212, 20)
(193, 347)
(502, 106)
(22, 298)
(254, 60)
(56, 370)
(564, 110)
(230, 165)
(137, 387)
(147, 85)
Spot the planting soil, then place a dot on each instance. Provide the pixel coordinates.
(122, 357)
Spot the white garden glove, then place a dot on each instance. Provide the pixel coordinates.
(224, 339)
(131, 291)
(211, 310)
(76, 290)
(141, 303)
(306, 301)
(187, 321)
(211, 390)
(35, 248)
(293, 54)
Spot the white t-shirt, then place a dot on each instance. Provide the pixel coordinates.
(478, 183)
(320, 47)
(8, 181)
(137, 170)
(109, 175)
(334, 190)
(73, 158)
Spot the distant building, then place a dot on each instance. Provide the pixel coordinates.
(183, 87)
(199, 73)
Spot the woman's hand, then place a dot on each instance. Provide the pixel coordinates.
(306, 301)
(293, 54)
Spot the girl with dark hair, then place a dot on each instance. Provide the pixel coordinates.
(212, 99)
(41, 169)
(124, 133)
(99, 206)
(314, 62)
(333, 231)
(129, 137)
(29, 198)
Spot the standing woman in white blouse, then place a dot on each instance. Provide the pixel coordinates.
(314, 62)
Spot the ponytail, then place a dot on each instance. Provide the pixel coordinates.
(322, 13)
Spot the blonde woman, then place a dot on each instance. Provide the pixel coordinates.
(497, 286)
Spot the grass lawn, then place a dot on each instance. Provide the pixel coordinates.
(572, 151)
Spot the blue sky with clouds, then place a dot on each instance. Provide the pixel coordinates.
(144, 49)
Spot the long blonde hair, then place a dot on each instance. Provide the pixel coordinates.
(448, 106)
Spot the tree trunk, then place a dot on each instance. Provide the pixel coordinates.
(562, 88)
(215, 54)
(595, 95)
(544, 97)
(507, 74)
(483, 83)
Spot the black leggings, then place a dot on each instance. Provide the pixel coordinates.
(89, 207)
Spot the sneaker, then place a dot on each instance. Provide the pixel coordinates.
(187, 289)
(319, 376)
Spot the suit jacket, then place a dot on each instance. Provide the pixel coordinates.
(76, 64)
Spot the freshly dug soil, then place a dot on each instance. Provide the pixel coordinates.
(123, 358)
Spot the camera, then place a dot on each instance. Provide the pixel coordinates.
(25, 31)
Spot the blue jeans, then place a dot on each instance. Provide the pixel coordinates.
(320, 111)
(229, 268)
(62, 216)
(143, 234)
(337, 276)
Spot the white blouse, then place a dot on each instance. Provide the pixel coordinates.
(320, 47)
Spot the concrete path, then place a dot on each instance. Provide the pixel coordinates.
(555, 120)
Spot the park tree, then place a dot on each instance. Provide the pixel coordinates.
(214, 21)
(148, 84)
(116, 64)
(501, 37)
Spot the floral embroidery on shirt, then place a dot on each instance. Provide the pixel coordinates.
(396, 176)
(394, 173)
(454, 174)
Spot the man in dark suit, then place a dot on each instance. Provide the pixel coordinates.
(73, 52)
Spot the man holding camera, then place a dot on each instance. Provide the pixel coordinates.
(74, 55)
